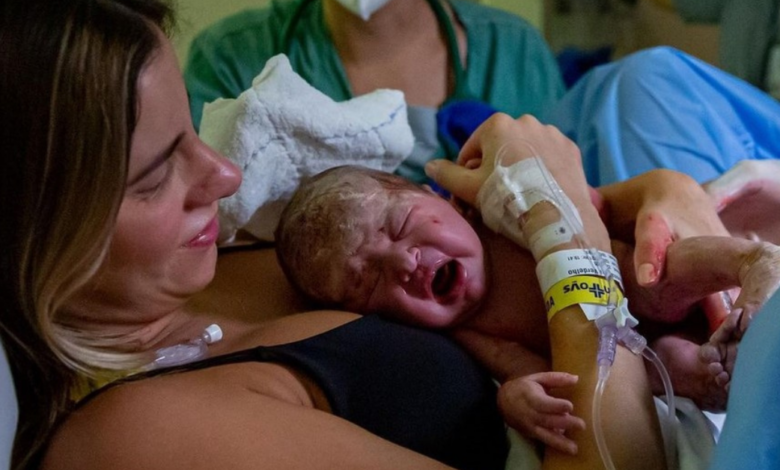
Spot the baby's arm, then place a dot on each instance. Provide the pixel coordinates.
(523, 397)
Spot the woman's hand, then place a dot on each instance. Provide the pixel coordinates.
(747, 197)
(518, 139)
(528, 408)
(508, 141)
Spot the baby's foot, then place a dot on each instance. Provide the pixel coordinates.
(759, 277)
(704, 383)
(720, 352)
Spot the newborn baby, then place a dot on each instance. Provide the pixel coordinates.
(373, 242)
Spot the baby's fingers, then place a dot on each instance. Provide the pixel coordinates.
(560, 422)
(545, 403)
(554, 379)
(556, 440)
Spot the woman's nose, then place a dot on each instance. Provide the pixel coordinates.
(214, 178)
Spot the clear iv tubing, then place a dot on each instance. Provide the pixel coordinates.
(189, 351)
(609, 336)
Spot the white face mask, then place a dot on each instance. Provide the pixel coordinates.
(363, 8)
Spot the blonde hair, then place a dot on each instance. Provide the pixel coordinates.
(69, 71)
(321, 224)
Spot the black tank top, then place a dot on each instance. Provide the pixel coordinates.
(413, 387)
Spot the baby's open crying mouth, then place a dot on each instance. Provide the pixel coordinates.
(444, 279)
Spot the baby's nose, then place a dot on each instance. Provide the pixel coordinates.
(404, 263)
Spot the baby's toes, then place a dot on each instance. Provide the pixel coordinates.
(722, 379)
(709, 353)
(715, 368)
(730, 357)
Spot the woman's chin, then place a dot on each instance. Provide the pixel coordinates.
(200, 276)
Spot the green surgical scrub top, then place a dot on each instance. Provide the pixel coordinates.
(509, 65)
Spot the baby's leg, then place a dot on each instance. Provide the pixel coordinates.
(700, 266)
(696, 268)
(686, 282)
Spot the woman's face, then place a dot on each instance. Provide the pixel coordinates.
(163, 247)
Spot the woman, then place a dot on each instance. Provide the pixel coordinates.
(95, 283)
(92, 104)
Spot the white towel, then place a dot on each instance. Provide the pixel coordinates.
(282, 130)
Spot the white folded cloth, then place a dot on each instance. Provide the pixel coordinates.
(282, 130)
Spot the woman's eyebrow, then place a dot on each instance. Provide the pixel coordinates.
(158, 160)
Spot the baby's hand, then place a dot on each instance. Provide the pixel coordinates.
(528, 408)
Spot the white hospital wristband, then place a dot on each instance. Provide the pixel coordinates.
(578, 262)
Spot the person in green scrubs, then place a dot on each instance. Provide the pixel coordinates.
(435, 51)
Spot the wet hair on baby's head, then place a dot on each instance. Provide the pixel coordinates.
(321, 225)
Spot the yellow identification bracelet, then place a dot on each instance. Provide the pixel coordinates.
(591, 292)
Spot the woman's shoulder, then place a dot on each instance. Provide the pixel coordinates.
(157, 421)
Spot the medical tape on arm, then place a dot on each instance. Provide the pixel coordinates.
(585, 277)
(511, 191)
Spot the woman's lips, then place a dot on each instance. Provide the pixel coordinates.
(207, 237)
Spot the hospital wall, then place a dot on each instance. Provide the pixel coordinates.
(642, 25)
(626, 26)
(194, 15)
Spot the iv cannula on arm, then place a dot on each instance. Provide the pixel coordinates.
(519, 195)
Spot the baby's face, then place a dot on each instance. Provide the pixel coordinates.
(418, 261)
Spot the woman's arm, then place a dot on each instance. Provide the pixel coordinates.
(630, 422)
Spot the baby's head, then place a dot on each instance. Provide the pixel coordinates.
(373, 242)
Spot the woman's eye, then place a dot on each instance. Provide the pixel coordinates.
(151, 189)
(148, 190)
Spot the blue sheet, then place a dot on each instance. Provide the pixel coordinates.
(751, 432)
(661, 108)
